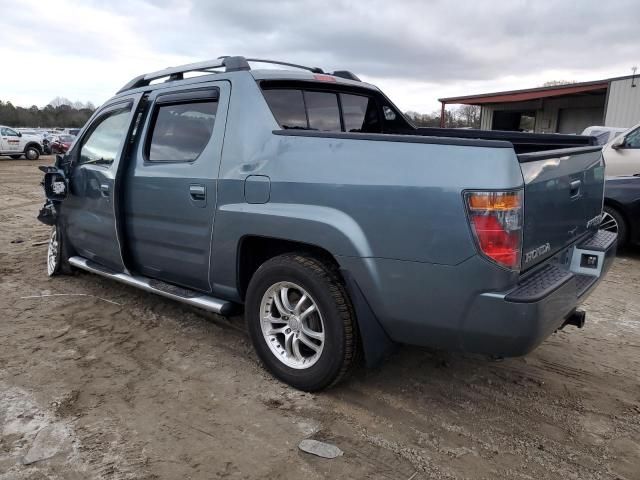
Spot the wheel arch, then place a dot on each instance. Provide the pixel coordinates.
(35, 145)
(254, 250)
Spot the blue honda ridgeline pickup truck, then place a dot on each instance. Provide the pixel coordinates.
(310, 200)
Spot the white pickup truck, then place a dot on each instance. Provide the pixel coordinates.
(16, 144)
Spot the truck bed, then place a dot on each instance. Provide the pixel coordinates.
(522, 142)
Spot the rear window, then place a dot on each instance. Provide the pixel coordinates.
(354, 112)
(323, 110)
(288, 107)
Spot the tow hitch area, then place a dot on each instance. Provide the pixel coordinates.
(575, 318)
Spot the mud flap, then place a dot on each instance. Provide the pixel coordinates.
(376, 344)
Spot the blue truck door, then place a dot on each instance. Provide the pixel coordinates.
(170, 187)
(89, 211)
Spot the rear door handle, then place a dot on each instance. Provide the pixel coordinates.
(198, 192)
(574, 188)
(105, 189)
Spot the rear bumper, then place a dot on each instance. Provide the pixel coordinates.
(516, 322)
(470, 307)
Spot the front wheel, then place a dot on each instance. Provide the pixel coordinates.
(57, 256)
(32, 153)
(301, 321)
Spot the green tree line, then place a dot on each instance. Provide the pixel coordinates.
(60, 112)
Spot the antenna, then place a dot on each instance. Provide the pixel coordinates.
(633, 76)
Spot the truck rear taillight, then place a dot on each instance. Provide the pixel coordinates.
(496, 222)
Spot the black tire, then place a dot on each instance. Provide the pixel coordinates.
(31, 153)
(16, 157)
(58, 254)
(323, 284)
(621, 225)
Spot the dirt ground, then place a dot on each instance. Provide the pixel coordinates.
(103, 381)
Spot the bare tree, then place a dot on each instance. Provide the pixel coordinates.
(59, 101)
(555, 83)
(468, 116)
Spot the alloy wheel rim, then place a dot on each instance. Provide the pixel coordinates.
(292, 325)
(31, 154)
(609, 223)
(52, 253)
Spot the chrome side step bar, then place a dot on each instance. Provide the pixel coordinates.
(194, 298)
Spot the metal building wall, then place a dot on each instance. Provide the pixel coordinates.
(623, 106)
(547, 110)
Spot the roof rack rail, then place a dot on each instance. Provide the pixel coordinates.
(275, 62)
(230, 64)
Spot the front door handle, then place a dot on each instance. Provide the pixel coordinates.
(198, 192)
(105, 189)
(574, 188)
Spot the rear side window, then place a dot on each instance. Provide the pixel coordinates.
(181, 131)
(103, 143)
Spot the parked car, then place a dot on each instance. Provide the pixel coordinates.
(603, 134)
(15, 144)
(61, 143)
(622, 154)
(335, 223)
(622, 209)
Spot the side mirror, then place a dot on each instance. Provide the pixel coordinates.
(19, 134)
(618, 143)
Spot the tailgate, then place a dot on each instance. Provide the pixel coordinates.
(562, 199)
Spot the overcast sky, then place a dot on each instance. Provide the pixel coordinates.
(416, 51)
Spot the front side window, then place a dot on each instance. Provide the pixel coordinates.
(7, 132)
(632, 140)
(103, 143)
(181, 131)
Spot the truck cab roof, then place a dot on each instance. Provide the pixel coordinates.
(224, 68)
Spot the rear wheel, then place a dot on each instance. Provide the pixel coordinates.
(32, 153)
(613, 221)
(16, 157)
(301, 321)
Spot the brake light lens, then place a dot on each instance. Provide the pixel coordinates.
(496, 222)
